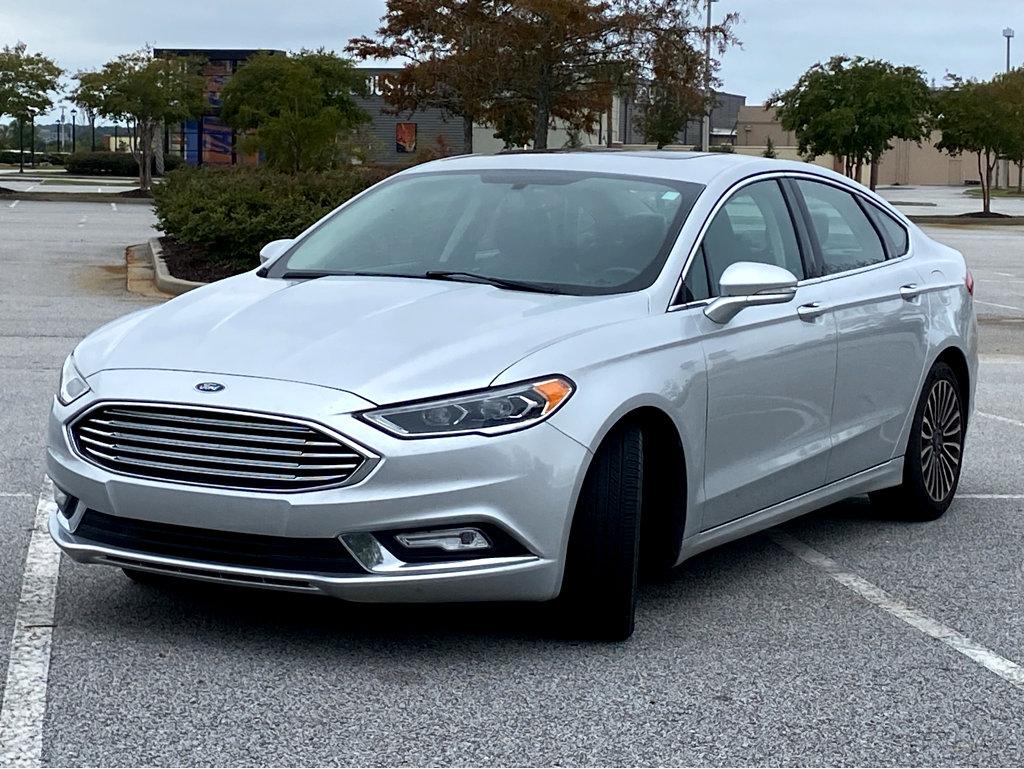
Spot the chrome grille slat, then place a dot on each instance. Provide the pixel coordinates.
(213, 447)
(210, 434)
(206, 421)
(342, 452)
(115, 447)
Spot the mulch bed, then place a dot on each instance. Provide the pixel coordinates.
(5, 191)
(192, 263)
(983, 215)
(134, 194)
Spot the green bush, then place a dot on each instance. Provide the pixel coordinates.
(231, 213)
(113, 164)
(53, 158)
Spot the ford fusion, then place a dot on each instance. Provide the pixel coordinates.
(524, 377)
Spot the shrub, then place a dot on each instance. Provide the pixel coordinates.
(113, 164)
(233, 212)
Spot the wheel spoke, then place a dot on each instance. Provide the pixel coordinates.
(952, 451)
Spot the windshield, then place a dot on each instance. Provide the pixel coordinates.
(572, 233)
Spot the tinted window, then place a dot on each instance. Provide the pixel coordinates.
(573, 232)
(695, 287)
(846, 238)
(753, 226)
(894, 232)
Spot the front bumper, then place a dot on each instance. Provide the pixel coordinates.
(525, 483)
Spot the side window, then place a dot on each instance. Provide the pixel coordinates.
(753, 226)
(845, 236)
(695, 287)
(894, 232)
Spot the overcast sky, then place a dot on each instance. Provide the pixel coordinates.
(781, 38)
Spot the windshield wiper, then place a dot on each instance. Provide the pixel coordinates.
(314, 274)
(472, 277)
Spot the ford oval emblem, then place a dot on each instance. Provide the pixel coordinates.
(209, 387)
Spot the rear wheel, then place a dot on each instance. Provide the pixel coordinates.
(598, 598)
(931, 469)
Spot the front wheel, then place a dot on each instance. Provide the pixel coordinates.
(598, 598)
(931, 469)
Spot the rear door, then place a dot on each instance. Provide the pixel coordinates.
(875, 294)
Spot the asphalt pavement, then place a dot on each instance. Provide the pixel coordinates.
(867, 642)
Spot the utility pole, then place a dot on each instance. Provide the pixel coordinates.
(705, 128)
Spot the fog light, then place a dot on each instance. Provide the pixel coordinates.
(449, 540)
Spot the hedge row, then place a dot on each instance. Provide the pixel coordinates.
(53, 158)
(113, 164)
(232, 213)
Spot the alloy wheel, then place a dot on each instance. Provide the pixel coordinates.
(941, 440)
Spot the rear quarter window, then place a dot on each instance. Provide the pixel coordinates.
(895, 234)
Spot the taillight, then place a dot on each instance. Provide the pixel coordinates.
(969, 282)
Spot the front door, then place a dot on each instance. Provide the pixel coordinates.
(771, 370)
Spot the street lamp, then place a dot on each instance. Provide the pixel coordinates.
(705, 127)
(60, 130)
(74, 143)
(1008, 34)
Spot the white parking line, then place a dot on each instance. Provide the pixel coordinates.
(1002, 306)
(9, 494)
(29, 189)
(81, 222)
(113, 207)
(28, 667)
(988, 659)
(990, 496)
(12, 205)
(998, 418)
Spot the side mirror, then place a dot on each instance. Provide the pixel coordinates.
(274, 249)
(750, 284)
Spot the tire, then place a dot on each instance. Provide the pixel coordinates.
(931, 467)
(598, 597)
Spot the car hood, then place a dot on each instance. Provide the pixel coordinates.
(384, 339)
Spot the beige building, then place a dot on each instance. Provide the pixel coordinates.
(908, 163)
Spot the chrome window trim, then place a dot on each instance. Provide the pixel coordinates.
(371, 459)
(753, 179)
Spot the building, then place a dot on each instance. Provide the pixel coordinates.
(724, 117)
(907, 163)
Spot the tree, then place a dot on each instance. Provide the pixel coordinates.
(297, 109)
(769, 149)
(853, 108)
(494, 61)
(26, 84)
(147, 91)
(674, 96)
(975, 117)
(451, 56)
(1008, 91)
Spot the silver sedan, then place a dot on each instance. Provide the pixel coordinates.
(524, 377)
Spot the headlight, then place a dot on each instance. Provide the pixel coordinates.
(497, 410)
(72, 384)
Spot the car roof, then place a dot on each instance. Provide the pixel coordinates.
(700, 167)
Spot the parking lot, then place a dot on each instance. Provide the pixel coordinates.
(840, 638)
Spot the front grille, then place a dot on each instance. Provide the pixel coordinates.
(211, 447)
(224, 548)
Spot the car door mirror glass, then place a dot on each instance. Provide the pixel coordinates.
(750, 284)
(274, 249)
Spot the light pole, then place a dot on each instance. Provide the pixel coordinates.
(74, 142)
(1008, 34)
(60, 130)
(705, 127)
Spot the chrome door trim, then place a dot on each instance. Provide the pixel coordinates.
(747, 181)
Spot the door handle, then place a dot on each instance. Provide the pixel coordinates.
(910, 291)
(811, 311)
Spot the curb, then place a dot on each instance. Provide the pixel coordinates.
(73, 197)
(163, 278)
